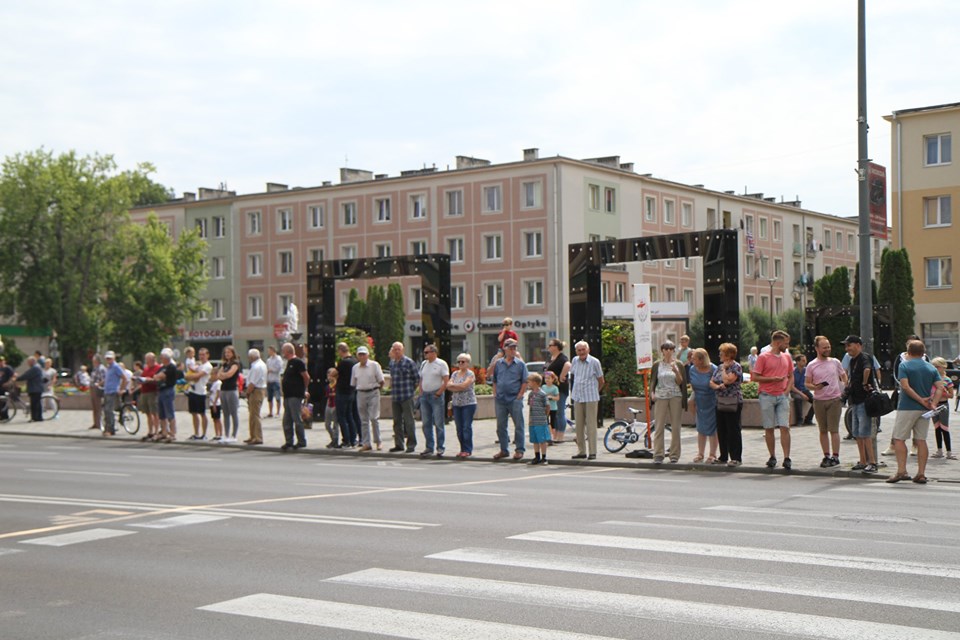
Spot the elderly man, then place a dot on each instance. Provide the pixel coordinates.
(97, 373)
(509, 384)
(434, 376)
(587, 384)
(294, 383)
(256, 386)
(404, 378)
(166, 394)
(367, 379)
(346, 398)
(114, 383)
(33, 376)
(917, 378)
(274, 369)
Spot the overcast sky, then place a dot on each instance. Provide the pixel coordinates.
(734, 94)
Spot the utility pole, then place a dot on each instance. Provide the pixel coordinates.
(866, 271)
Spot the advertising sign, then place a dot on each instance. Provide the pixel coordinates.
(642, 326)
(877, 185)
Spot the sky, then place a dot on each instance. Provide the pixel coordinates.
(744, 95)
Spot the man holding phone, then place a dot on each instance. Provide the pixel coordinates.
(826, 378)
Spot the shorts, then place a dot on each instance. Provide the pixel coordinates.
(148, 403)
(942, 419)
(910, 423)
(860, 423)
(196, 403)
(215, 412)
(775, 411)
(165, 398)
(827, 413)
(539, 433)
(273, 391)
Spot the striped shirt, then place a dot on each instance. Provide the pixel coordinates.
(538, 408)
(586, 375)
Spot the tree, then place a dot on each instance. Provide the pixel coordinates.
(896, 289)
(763, 325)
(394, 319)
(747, 338)
(155, 289)
(830, 291)
(874, 295)
(791, 321)
(375, 304)
(59, 217)
(356, 310)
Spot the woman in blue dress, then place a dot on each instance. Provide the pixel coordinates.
(705, 401)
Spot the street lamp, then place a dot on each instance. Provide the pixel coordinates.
(479, 326)
(772, 281)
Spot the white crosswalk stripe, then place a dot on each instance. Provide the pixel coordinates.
(76, 537)
(179, 521)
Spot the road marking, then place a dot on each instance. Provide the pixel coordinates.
(179, 521)
(79, 473)
(320, 519)
(627, 523)
(717, 550)
(177, 458)
(28, 452)
(6, 552)
(461, 493)
(358, 486)
(79, 502)
(640, 478)
(377, 620)
(883, 486)
(813, 588)
(369, 466)
(809, 514)
(794, 625)
(77, 537)
(63, 447)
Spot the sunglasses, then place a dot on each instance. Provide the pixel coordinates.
(463, 361)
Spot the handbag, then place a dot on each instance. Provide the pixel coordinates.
(728, 404)
(878, 404)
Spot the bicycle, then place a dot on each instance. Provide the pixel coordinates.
(128, 416)
(621, 433)
(13, 401)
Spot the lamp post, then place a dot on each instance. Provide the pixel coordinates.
(772, 281)
(480, 326)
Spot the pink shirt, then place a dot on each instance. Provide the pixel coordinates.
(828, 371)
(771, 366)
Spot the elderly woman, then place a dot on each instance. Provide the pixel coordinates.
(464, 403)
(668, 389)
(705, 401)
(726, 382)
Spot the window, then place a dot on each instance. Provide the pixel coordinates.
(650, 209)
(827, 271)
(839, 244)
(382, 205)
(219, 226)
(778, 305)
(203, 315)
(940, 337)
(457, 296)
(201, 224)
(382, 250)
(492, 247)
(593, 237)
(751, 301)
(217, 267)
(594, 192)
(316, 255)
(284, 220)
(418, 207)
(686, 214)
(348, 251)
(763, 228)
(349, 210)
(938, 272)
(254, 307)
(668, 212)
(455, 249)
(937, 149)
(668, 264)
(776, 231)
(216, 308)
(416, 299)
(285, 301)
(286, 262)
(610, 200)
(531, 195)
(604, 292)
(748, 269)
(765, 303)
(418, 247)
(254, 226)
(255, 265)
(533, 293)
(533, 244)
(749, 223)
(936, 211)
(653, 293)
(850, 244)
(671, 294)
(826, 238)
(687, 265)
(494, 295)
(688, 298)
(455, 203)
(619, 292)
(777, 268)
(316, 216)
(492, 198)
(763, 267)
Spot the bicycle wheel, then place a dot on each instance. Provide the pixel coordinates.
(130, 418)
(49, 407)
(7, 409)
(610, 437)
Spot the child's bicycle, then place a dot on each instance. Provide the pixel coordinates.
(621, 433)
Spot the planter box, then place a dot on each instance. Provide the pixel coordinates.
(81, 401)
(485, 408)
(750, 417)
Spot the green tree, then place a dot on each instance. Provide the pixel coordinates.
(763, 325)
(874, 295)
(155, 289)
(59, 217)
(394, 319)
(834, 290)
(791, 321)
(12, 353)
(747, 338)
(896, 289)
(356, 310)
(375, 303)
(619, 363)
(354, 337)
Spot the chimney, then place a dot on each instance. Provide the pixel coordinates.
(531, 154)
(381, 176)
(189, 196)
(627, 166)
(466, 162)
(212, 194)
(607, 161)
(326, 183)
(276, 186)
(354, 175)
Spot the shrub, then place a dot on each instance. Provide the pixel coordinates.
(482, 390)
(750, 390)
(619, 363)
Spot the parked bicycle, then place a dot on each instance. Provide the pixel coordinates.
(127, 416)
(621, 433)
(13, 402)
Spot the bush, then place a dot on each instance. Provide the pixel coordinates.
(355, 338)
(750, 390)
(619, 363)
(482, 390)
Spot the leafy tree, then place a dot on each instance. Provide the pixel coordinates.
(791, 321)
(355, 338)
(834, 290)
(763, 325)
(12, 353)
(896, 289)
(356, 310)
(155, 289)
(619, 363)
(394, 319)
(375, 303)
(747, 338)
(59, 217)
(874, 295)
(695, 332)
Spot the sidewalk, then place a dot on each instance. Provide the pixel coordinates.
(805, 446)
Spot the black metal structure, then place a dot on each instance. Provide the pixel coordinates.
(322, 276)
(721, 292)
(882, 348)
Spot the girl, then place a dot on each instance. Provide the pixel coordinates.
(330, 409)
(553, 396)
(942, 419)
(213, 397)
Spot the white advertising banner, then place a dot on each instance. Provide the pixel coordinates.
(642, 326)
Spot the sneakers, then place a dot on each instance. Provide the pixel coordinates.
(913, 451)
(938, 454)
(426, 452)
(834, 461)
(772, 462)
(859, 467)
(870, 468)
(951, 456)
(734, 463)
(888, 452)
(826, 462)
(787, 464)
(658, 460)
(396, 449)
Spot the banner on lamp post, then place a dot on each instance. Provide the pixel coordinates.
(642, 326)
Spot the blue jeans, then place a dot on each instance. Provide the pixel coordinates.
(860, 424)
(346, 407)
(463, 417)
(513, 409)
(431, 412)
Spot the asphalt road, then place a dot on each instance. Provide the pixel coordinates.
(105, 539)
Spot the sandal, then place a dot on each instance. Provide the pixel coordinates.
(897, 477)
(698, 458)
(920, 479)
(712, 460)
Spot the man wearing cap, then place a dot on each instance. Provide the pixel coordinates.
(114, 383)
(256, 387)
(367, 378)
(917, 379)
(858, 388)
(404, 377)
(509, 384)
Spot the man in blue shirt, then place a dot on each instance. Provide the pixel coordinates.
(33, 376)
(114, 384)
(404, 378)
(509, 385)
(921, 389)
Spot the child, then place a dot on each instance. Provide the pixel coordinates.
(539, 427)
(213, 397)
(942, 419)
(553, 395)
(330, 412)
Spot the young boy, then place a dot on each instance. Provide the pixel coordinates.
(539, 425)
(553, 395)
(330, 409)
(213, 397)
(942, 419)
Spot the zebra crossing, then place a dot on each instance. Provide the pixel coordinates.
(758, 592)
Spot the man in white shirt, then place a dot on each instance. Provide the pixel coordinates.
(198, 375)
(367, 379)
(274, 369)
(256, 388)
